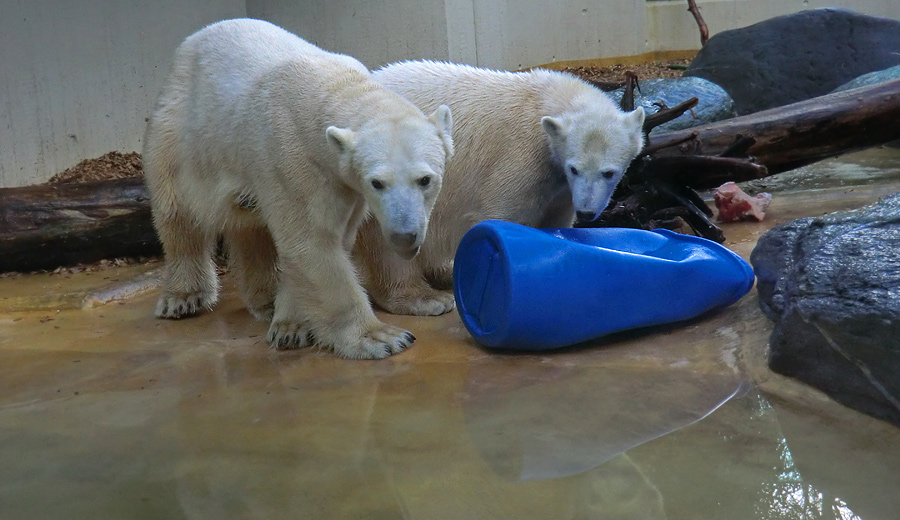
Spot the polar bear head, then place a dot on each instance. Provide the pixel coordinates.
(594, 147)
(397, 164)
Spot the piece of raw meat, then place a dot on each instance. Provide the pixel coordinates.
(733, 204)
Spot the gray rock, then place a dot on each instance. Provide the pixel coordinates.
(714, 103)
(831, 284)
(872, 78)
(796, 57)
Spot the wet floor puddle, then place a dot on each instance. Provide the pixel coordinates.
(106, 412)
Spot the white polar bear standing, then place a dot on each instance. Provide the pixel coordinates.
(535, 148)
(282, 148)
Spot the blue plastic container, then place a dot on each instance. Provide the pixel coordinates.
(532, 289)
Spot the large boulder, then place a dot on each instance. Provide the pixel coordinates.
(831, 284)
(714, 104)
(796, 57)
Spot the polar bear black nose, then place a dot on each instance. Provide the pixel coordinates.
(585, 216)
(404, 240)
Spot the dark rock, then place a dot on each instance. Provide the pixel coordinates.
(831, 284)
(872, 78)
(796, 57)
(714, 103)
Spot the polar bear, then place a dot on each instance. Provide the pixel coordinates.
(282, 149)
(536, 148)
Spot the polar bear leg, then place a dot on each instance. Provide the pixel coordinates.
(319, 293)
(404, 290)
(397, 285)
(289, 328)
(190, 282)
(253, 260)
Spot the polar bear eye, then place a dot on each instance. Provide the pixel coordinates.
(574, 170)
(608, 174)
(424, 181)
(377, 184)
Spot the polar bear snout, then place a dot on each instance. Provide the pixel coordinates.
(585, 216)
(590, 196)
(404, 240)
(405, 244)
(407, 254)
(402, 212)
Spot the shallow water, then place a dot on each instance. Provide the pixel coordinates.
(106, 412)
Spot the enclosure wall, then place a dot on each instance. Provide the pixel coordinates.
(79, 79)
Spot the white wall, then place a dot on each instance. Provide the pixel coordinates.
(507, 34)
(514, 34)
(370, 31)
(79, 78)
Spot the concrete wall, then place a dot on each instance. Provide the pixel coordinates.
(78, 79)
(513, 34)
(507, 34)
(372, 32)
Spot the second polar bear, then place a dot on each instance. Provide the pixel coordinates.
(283, 148)
(536, 148)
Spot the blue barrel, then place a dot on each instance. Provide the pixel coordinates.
(522, 288)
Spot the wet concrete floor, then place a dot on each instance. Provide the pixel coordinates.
(106, 412)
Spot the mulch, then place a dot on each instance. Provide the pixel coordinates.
(113, 165)
(616, 73)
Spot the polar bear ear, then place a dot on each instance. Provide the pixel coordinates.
(443, 120)
(553, 128)
(635, 118)
(342, 139)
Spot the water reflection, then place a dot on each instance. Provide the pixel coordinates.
(790, 497)
(653, 444)
(870, 167)
(542, 422)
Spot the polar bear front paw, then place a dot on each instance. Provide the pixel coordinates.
(378, 342)
(419, 302)
(289, 335)
(179, 305)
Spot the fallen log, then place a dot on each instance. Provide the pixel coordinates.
(658, 189)
(46, 226)
(800, 133)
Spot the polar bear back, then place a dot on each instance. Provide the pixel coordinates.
(248, 99)
(215, 69)
(503, 159)
(489, 137)
(237, 52)
(473, 95)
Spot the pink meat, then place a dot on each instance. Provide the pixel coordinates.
(733, 204)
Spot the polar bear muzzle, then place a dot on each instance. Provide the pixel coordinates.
(405, 245)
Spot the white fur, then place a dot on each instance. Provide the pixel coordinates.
(518, 136)
(274, 143)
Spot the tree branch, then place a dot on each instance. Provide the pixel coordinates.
(704, 30)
